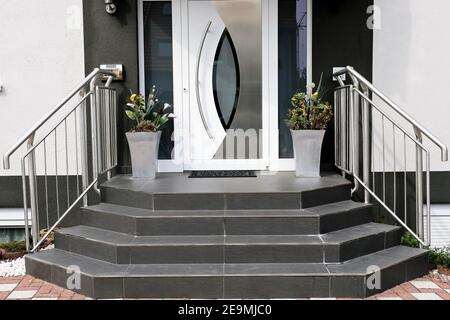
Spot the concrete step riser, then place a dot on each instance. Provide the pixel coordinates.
(230, 201)
(240, 286)
(242, 225)
(228, 253)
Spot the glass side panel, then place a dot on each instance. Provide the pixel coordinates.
(159, 61)
(226, 80)
(292, 60)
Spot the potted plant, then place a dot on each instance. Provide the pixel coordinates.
(308, 119)
(150, 116)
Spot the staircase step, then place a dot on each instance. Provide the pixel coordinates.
(177, 192)
(122, 248)
(101, 279)
(145, 222)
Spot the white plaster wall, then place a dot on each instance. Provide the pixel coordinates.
(41, 61)
(411, 65)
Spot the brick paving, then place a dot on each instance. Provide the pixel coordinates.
(29, 288)
(426, 288)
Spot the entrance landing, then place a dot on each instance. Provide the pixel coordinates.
(279, 182)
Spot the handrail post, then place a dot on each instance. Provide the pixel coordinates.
(366, 143)
(419, 185)
(84, 147)
(25, 206)
(94, 129)
(355, 128)
(33, 191)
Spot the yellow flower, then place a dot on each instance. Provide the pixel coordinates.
(133, 98)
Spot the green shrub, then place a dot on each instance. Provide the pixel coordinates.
(436, 256)
(440, 257)
(14, 246)
(409, 240)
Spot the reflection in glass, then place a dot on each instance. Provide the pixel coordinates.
(158, 61)
(292, 63)
(226, 80)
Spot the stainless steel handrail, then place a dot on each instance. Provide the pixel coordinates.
(103, 101)
(197, 82)
(354, 110)
(394, 106)
(40, 123)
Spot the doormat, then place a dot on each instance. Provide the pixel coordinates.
(223, 174)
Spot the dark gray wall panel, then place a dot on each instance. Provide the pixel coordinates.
(340, 38)
(114, 39)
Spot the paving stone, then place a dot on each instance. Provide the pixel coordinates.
(443, 294)
(426, 296)
(419, 284)
(402, 293)
(7, 287)
(389, 298)
(441, 284)
(22, 294)
(45, 289)
(408, 287)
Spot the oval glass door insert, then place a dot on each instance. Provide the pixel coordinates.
(226, 80)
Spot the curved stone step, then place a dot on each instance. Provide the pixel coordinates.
(177, 192)
(142, 222)
(127, 249)
(101, 279)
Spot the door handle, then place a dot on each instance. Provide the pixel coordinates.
(197, 82)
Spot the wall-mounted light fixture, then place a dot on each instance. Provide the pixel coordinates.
(110, 6)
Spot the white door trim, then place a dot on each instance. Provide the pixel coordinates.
(277, 164)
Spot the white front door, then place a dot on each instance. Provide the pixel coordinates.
(224, 120)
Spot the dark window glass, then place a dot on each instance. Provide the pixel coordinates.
(292, 63)
(226, 80)
(158, 61)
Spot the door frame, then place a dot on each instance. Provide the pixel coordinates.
(177, 163)
(270, 141)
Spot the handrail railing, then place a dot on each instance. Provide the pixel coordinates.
(365, 136)
(52, 167)
(40, 123)
(394, 106)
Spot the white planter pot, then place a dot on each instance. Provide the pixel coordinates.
(144, 148)
(307, 150)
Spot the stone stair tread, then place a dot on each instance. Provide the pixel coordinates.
(383, 259)
(358, 266)
(335, 207)
(281, 182)
(116, 238)
(332, 208)
(357, 232)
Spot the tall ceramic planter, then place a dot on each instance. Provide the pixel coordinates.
(307, 150)
(144, 147)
